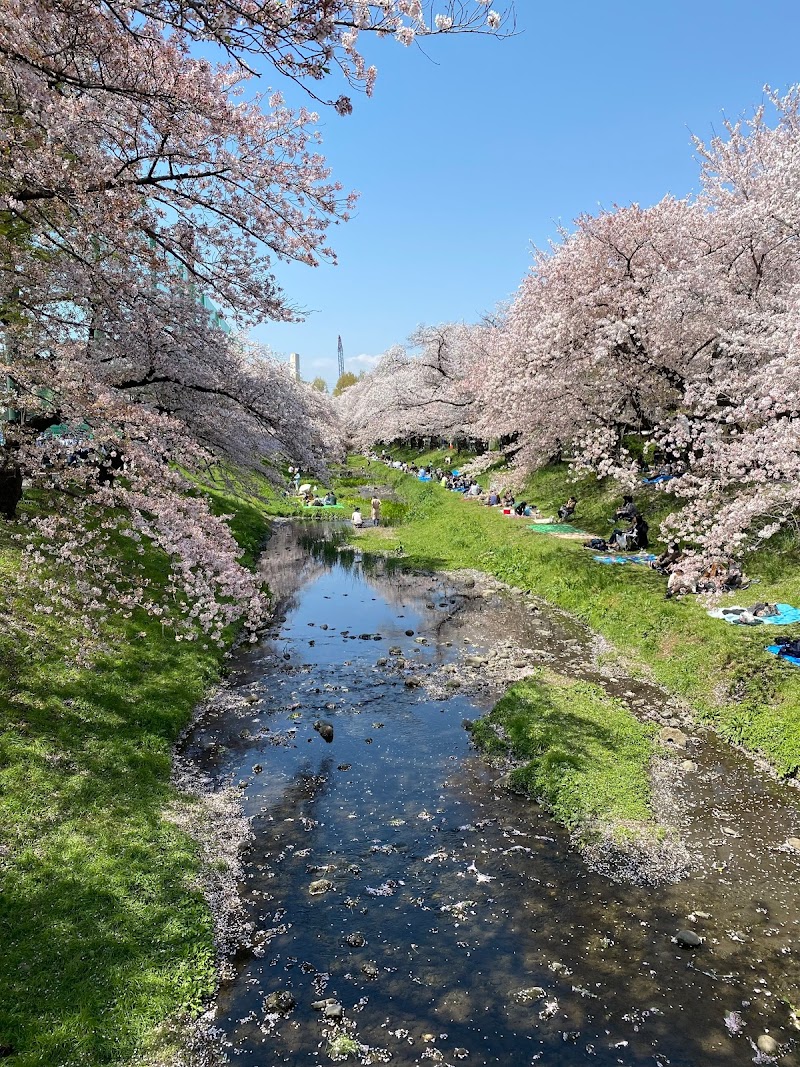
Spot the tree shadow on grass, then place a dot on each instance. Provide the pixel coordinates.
(103, 932)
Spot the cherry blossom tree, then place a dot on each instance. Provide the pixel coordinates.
(138, 182)
(419, 391)
(675, 325)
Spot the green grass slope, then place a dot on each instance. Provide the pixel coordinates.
(578, 749)
(103, 931)
(753, 698)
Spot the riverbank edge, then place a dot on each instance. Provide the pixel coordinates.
(748, 697)
(208, 824)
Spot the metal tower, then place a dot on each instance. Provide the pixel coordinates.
(341, 356)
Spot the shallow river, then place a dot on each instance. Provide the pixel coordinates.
(459, 925)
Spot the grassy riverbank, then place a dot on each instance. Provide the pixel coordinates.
(104, 932)
(575, 747)
(723, 671)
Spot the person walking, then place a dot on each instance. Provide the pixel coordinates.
(375, 505)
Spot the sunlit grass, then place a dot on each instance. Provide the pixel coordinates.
(751, 697)
(580, 751)
(103, 930)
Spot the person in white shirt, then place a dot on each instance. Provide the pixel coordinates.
(358, 521)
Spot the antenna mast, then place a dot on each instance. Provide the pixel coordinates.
(341, 357)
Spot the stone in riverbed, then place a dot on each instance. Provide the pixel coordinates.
(409, 633)
(370, 970)
(793, 842)
(671, 735)
(688, 939)
(767, 1044)
(280, 1001)
(322, 885)
(355, 940)
(333, 1011)
(324, 729)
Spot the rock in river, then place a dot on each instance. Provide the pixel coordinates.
(688, 939)
(767, 1044)
(322, 885)
(324, 729)
(280, 1001)
(671, 735)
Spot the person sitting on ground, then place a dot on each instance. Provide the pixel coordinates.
(628, 510)
(519, 509)
(493, 499)
(508, 499)
(734, 578)
(330, 499)
(566, 511)
(679, 583)
(474, 490)
(668, 559)
(317, 502)
(357, 519)
(637, 533)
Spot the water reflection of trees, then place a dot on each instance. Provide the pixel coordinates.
(287, 565)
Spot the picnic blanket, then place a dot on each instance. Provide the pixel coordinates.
(424, 477)
(325, 507)
(658, 478)
(641, 557)
(776, 651)
(787, 615)
(555, 527)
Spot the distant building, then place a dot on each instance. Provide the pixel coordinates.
(294, 365)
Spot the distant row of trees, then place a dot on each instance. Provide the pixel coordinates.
(663, 339)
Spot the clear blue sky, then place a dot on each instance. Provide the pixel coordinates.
(466, 157)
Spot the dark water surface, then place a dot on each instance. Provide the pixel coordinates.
(460, 926)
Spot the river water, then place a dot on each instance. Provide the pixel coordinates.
(450, 920)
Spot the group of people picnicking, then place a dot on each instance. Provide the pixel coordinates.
(630, 532)
(310, 494)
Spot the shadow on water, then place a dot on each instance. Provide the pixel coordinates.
(453, 921)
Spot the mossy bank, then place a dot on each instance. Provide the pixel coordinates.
(104, 929)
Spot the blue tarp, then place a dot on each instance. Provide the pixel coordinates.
(776, 651)
(787, 615)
